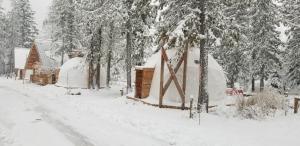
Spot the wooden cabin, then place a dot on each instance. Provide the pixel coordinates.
(44, 70)
(32, 64)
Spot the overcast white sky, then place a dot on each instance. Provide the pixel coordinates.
(39, 6)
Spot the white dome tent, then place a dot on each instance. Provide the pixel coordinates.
(216, 78)
(74, 74)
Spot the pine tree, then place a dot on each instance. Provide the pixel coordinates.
(138, 17)
(232, 52)
(2, 40)
(62, 18)
(292, 19)
(265, 39)
(196, 22)
(24, 22)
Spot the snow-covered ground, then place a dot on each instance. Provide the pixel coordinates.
(31, 115)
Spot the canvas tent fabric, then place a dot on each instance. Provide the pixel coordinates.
(74, 74)
(21, 55)
(216, 78)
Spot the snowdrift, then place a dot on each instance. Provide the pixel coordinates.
(216, 78)
(74, 74)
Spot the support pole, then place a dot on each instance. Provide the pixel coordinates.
(296, 105)
(185, 55)
(162, 68)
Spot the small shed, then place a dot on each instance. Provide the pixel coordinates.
(143, 81)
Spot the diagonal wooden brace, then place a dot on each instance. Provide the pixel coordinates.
(169, 81)
(174, 78)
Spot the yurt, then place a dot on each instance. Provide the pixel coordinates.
(74, 74)
(216, 78)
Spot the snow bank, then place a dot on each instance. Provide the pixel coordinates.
(216, 78)
(74, 74)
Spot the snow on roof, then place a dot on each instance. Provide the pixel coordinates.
(46, 61)
(21, 55)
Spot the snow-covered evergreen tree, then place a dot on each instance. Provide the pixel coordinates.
(292, 19)
(264, 39)
(231, 52)
(197, 23)
(25, 25)
(2, 40)
(62, 18)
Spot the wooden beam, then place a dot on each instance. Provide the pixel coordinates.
(173, 75)
(161, 84)
(168, 83)
(185, 56)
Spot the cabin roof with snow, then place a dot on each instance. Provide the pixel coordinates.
(21, 55)
(38, 56)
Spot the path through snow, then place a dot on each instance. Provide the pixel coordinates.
(32, 115)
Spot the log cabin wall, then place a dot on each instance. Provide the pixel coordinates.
(40, 76)
(33, 58)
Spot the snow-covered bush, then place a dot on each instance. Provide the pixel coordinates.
(260, 105)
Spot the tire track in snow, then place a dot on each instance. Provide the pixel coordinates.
(73, 136)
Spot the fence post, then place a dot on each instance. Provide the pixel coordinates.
(296, 105)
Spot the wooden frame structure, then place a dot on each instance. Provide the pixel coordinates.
(164, 86)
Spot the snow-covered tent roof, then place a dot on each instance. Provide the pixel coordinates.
(216, 78)
(74, 74)
(21, 55)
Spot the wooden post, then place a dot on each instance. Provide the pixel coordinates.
(185, 55)
(296, 105)
(162, 68)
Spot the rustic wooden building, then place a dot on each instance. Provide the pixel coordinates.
(32, 64)
(44, 70)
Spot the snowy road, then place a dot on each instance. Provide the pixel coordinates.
(26, 121)
(31, 115)
(29, 124)
(20, 124)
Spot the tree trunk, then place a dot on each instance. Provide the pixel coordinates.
(262, 78)
(253, 84)
(203, 79)
(253, 56)
(231, 83)
(98, 73)
(128, 54)
(109, 53)
(62, 58)
(141, 53)
(91, 76)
